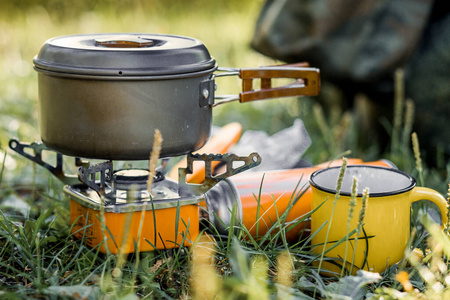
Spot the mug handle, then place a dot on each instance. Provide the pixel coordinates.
(423, 193)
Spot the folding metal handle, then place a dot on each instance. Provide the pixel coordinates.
(189, 189)
(87, 175)
(307, 82)
(34, 154)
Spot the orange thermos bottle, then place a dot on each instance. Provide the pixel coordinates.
(260, 197)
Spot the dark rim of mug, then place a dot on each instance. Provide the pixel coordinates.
(382, 194)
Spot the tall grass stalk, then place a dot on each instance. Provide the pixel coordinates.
(437, 265)
(324, 127)
(439, 242)
(258, 208)
(285, 270)
(398, 110)
(416, 150)
(232, 224)
(106, 267)
(447, 226)
(3, 168)
(339, 156)
(407, 127)
(279, 224)
(38, 262)
(153, 161)
(428, 277)
(260, 266)
(359, 226)
(336, 198)
(352, 205)
(204, 279)
(295, 196)
(121, 257)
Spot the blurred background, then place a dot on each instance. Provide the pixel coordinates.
(225, 26)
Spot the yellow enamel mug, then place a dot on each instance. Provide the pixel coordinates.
(386, 229)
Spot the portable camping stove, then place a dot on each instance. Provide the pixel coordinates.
(113, 209)
(99, 97)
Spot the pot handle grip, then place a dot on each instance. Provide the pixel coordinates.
(306, 82)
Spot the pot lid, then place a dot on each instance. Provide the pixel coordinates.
(123, 54)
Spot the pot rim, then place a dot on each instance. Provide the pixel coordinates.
(122, 77)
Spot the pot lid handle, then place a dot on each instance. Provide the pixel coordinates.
(124, 42)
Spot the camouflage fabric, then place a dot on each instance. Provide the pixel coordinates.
(428, 84)
(358, 45)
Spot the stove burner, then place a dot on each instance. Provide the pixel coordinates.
(133, 179)
(131, 185)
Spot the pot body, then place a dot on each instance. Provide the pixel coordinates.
(103, 95)
(115, 117)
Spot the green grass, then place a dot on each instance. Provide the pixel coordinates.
(39, 258)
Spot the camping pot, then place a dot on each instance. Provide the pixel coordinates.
(103, 95)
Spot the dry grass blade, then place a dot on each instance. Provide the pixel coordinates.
(352, 205)
(153, 160)
(409, 120)
(337, 196)
(285, 269)
(398, 109)
(205, 283)
(360, 224)
(447, 226)
(416, 150)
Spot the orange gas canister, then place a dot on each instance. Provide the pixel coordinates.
(261, 197)
(129, 226)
